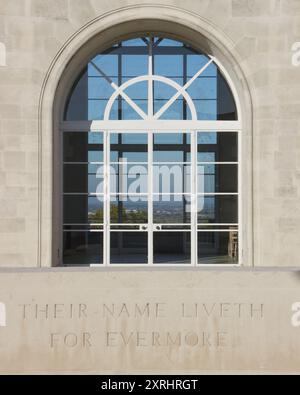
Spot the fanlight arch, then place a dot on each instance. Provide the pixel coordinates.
(149, 116)
(202, 85)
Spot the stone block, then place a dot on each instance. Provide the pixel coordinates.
(10, 111)
(12, 7)
(55, 9)
(250, 8)
(14, 160)
(290, 7)
(12, 225)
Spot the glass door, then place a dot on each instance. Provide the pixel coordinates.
(172, 198)
(127, 206)
(149, 204)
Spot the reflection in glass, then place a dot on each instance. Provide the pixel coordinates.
(128, 113)
(218, 209)
(223, 144)
(134, 65)
(83, 209)
(163, 92)
(128, 209)
(171, 247)
(206, 110)
(218, 247)
(177, 111)
(204, 138)
(171, 209)
(169, 138)
(172, 59)
(203, 89)
(206, 156)
(131, 147)
(168, 156)
(128, 247)
(137, 92)
(118, 156)
(78, 102)
(168, 65)
(171, 178)
(82, 248)
(213, 178)
(83, 147)
(128, 178)
(196, 61)
(171, 147)
(99, 89)
(82, 178)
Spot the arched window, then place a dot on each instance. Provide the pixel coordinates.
(151, 139)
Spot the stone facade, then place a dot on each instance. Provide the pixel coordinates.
(261, 36)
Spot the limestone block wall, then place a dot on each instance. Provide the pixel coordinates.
(95, 321)
(261, 34)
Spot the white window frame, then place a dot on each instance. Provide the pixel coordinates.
(151, 123)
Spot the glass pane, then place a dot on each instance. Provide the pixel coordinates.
(171, 209)
(168, 42)
(133, 138)
(100, 88)
(168, 65)
(175, 111)
(117, 156)
(206, 156)
(95, 138)
(218, 247)
(217, 178)
(131, 147)
(134, 42)
(206, 110)
(162, 91)
(96, 109)
(218, 209)
(77, 104)
(172, 247)
(128, 247)
(134, 65)
(196, 62)
(128, 178)
(226, 105)
(82, 248)
(107, 63)
(83, 209)
(171, 147)
(82, 178)
(129, 209)
(171, 178)
(223, 144)
(203, 88)
(129, 113)
(170, 139)
(168, 156)
(83, 147)
(137, 91)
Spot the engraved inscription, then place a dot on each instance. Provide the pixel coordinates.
(201, 324)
